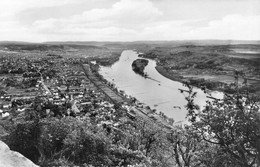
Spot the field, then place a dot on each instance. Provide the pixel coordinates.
(209, 63)
(205, 61)
(53, 101)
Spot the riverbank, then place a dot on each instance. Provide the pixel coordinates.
(108, 61)
(167, 74)
(156, 90)
(210, 66)
(212, 82)
(134, 108)
(194, 81)
(185, 76)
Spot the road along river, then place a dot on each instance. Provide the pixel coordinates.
(158, 92)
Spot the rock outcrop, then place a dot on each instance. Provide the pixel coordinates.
(9, 158)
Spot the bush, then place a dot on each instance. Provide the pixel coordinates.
(83, 146)
(232, 123)
(53, 133)
(24, 138)
(125, 157)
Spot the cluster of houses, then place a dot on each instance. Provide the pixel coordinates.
(61, 88)
(66, 93)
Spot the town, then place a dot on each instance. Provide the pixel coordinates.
(129, 83)
(59, 87)
(56, 109)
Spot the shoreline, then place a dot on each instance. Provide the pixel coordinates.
(143, 111)
(179, 78)
(174, 77)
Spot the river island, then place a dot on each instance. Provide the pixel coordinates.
(138, 66)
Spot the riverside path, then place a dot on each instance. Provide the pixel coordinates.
(142, 115)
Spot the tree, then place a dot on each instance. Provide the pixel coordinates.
(24, 139)
(233, 123)
(187, 147)
(11, 81)
(154, 144)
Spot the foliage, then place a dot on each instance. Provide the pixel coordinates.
(24, 139)
(53, 133)
(124, 156)
(232, 123)
(188, 149)
(152, 141)
(67, 141)
(11, 81)
(225, 133)
(83, 146)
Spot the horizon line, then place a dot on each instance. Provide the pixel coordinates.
(177, 40)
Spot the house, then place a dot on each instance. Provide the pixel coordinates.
(63, 88)
(7, 106)
(21, 109)
(5, 114)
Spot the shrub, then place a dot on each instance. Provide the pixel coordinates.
(24, 139)
(83, 146)
(232, 123)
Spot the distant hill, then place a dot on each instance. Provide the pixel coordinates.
(194, 42)
(13, 45)
(134, 43)
(15, 42)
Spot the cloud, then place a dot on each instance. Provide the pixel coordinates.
(127, 20)
(230, 27)
(237, 27)
(125, 13)
(11, 7)
(120, 22)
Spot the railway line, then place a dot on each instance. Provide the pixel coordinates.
(140, 115)
(112, 95)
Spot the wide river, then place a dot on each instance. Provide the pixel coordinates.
(159, 92)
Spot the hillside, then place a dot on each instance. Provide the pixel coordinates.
(209, 64)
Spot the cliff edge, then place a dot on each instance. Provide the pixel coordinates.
(9, 158)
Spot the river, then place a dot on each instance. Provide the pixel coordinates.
(159, 92)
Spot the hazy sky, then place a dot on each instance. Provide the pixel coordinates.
(128, 20)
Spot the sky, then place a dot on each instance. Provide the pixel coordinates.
(128, 20)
